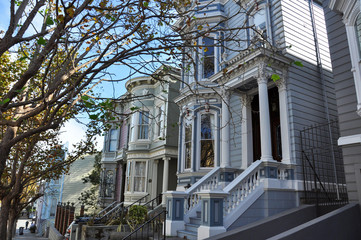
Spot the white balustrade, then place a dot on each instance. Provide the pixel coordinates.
(210, 181)
(241, 187)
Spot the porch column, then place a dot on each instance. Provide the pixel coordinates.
(225, 159)
(247, 150)
(266, 148)
(285, 128)
(165, 177)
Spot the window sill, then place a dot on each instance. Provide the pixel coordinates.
(349, 140)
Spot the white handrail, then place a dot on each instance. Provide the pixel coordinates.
(242, 176)
(195, 186)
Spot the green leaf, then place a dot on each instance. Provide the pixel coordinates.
(49, 21)
(85, 98)
(4, 101)
(275, 77)
(134, 108)
(93, 116)
(298, 63)
(41, 41)
(145, 4)
(23, 58)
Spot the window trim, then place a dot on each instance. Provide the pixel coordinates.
(216, 138)
(131, 176)
(116, 139)
(190, 121)
(200, 53)
(250, 33)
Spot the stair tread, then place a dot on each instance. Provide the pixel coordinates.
(188, 232)
(192, 225)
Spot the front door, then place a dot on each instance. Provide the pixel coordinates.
(273, 100)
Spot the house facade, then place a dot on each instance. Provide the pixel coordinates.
(245, 99)
(140, 152)
(344, 30)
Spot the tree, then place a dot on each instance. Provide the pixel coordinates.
(89, 198)
(60, 60)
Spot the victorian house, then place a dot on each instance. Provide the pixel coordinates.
(140, 151)
(251, 90)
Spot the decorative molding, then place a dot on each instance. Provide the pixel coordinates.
(348, 140)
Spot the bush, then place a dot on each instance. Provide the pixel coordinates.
(136, 215)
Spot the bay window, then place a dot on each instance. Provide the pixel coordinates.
(259, 19)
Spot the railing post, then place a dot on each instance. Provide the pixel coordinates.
(212, 213)
(175, 212)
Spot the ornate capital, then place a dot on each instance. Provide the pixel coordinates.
(246, 100)
(281, 84)
(225, 94)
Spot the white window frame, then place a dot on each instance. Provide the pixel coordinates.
(201, 56)
(215, 138)
(115, 139)
(355, 54)
(252, 12)
(130, 176)
(189, 120)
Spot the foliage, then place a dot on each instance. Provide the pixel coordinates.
(89, 198)
(136, 215)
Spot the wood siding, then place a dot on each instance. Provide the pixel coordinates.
(235, 143)
(349, 121)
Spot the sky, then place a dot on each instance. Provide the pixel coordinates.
(72, 131)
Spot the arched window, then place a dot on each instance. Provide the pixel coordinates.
(207, 140)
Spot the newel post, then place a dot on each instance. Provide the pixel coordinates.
(175, 209)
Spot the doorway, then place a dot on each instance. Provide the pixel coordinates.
(274, 111)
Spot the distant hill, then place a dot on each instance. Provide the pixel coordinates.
(73, 185)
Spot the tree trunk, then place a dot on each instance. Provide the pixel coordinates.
(4, 215)
(11, 223)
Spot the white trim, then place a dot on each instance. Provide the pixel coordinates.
(348, 140)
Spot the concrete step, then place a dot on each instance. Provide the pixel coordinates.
(194, 220)
(187, 235)
(191, 227)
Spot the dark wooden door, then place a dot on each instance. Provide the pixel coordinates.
(275, 126)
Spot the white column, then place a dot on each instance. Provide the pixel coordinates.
(165, 176)
(285, 127)
(266, 149)
(225, 159)
(247, 140)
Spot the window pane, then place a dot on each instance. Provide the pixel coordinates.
(139, 176)
(208, 61)
(143, 125)
(358, 33)
(188, 146)
(260, 22)
(206, 130)
(207, 143)
(207, 153)
(113, 140)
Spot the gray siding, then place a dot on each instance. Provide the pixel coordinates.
(235, 143)
(349, 121)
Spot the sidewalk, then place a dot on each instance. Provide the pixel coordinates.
(28, 236)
